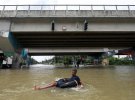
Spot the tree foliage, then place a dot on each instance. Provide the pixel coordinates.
(120, 61)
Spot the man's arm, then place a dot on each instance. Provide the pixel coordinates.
(81, 84)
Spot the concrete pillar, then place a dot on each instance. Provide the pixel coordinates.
(133, 56)
(97, 59)
(28, 61)
(1, 58)
(17, 60)
(21, 58)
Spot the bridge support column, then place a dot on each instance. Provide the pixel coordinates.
(26, 58)
(96, 61)
(133, 54)
(21, 59)
(28, 61)
(17, 60)
(8, 45)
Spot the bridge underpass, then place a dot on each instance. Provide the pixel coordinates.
(74, 43)
(32, 29)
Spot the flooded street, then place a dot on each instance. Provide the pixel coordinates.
(116, 83)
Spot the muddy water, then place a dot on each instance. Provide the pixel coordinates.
(116, 83)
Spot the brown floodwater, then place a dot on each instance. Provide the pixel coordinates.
(115, 83)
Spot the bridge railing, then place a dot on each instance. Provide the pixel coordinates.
(67, 7)
(8, 9)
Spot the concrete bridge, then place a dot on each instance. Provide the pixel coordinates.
(52, 29)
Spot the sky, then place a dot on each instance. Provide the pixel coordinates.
(44, 2)
(41, 58)
(100, 2)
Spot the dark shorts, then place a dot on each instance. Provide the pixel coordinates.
(60, 82)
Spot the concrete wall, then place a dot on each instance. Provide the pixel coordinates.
(5, 43)
(4, 25)
(73, 20)
(38, 25)
(68, 13)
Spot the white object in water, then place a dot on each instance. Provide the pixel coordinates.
(78, 88)
(4, 62)
(9, 60)
(56, 79)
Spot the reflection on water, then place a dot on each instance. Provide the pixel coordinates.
(117, 83)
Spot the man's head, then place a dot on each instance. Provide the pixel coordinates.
(74, 71)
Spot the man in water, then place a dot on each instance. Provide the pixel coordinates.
(62, 83)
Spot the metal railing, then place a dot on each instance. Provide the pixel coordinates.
(66, 7)
(66, 10)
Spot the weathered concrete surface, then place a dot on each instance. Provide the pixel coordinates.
(69, 50)
(73, 20)
(5, 43)
(69, 13)
(73, 24)
(105, 28)
(4, 25)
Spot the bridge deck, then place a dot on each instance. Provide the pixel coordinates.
(31, 25)
(75, 39)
